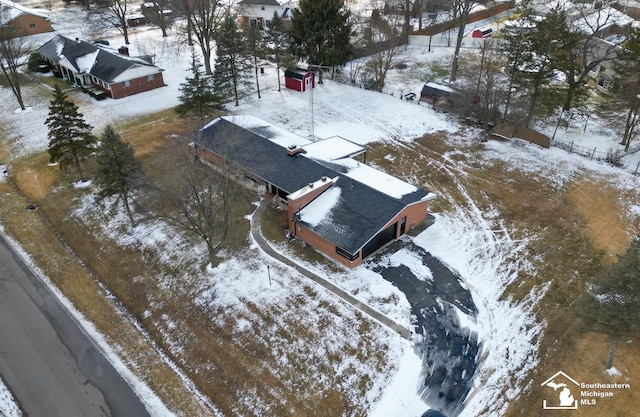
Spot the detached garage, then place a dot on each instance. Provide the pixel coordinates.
(299, 79)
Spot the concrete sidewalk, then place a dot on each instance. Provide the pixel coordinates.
(256, 232)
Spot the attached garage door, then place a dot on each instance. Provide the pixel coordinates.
(381, 239)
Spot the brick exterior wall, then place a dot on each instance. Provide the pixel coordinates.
(136, 85)
(22, 25)
(415, 213)
(295, 204)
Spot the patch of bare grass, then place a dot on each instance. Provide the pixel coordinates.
(32, 231)
(569, 230)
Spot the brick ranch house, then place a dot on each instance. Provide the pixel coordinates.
(23, 21)
(96, 67)
(342, 207)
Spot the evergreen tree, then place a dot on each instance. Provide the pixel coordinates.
(197, 94)
(531, 65)
(615, 304)
(627, 96)
(232, 61)
(321, 33)
(70, 138)
(279, 43)
(564, 44)
(119, 173)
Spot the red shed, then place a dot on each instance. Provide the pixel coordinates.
(299, 79)
(482, 33)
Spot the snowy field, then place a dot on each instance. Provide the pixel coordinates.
(466, 240)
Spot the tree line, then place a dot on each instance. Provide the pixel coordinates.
(197, 200)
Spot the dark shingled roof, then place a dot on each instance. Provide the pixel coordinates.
(360, 212)
(107, 65)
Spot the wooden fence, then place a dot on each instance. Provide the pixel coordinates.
(473, 17)
(513, 130)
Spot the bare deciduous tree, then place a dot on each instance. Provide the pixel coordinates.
(202, 19)
(460, 10)
(385, 46)
(13, 49)
(201, 202)
(110, 14)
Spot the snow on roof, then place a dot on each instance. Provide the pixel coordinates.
(600, 19)
(376, 179)
(136, 71)
(440, 87)
(12, 10)
(333, 148)
(274, 133)
(85, 63)
(311, 187)
(320, 208)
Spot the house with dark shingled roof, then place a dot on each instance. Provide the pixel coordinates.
(94, 66)
(342, 207)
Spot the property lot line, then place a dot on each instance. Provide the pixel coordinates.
(256, 233)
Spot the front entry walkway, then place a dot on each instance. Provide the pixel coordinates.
(256, 233)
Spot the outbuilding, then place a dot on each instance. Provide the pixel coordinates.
(482, 33)
(299, 79)
(432, 92)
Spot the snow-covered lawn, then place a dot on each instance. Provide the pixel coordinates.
(466, 240)
(8, 406)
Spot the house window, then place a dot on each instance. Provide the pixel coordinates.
(32, 25)
(149, 78)
(605, 82)
(261, 7)
(126, 83)
(346, 254)
(253, 23)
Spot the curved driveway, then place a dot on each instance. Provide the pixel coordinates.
(52, 367)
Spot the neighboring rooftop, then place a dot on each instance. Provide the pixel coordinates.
(11, 10)
(101, 62)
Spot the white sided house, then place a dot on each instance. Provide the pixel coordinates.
(258, 13)
(100, 70)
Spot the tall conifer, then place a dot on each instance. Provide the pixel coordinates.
(70, 138)
(119, 173)
(197, 94)
(321, 33)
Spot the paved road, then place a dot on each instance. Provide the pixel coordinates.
(51, 366)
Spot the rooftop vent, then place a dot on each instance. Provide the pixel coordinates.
(324, 179)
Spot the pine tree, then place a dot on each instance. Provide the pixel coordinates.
(197, 94)
(321, 33)
(279, 43)
(232, 61)
(70, 138)
(627, 96)
(119, 173)
(615, 303)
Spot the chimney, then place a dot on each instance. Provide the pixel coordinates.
(123, 50)
(293, 150)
